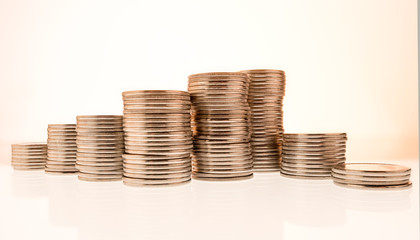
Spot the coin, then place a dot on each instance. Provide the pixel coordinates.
(98, 163)
(306, 173)
(156, 93)
(100, 145)
(371, 178)
(285, 174)
(29, 156)
(266, 92)
(49, 171)
(309, 165)
(161, 166)
(375, 187)
(306, 170)
(372, 183)
(371, 169)
(95, 171)
(246, 177)
(28, 168)
(94, 179)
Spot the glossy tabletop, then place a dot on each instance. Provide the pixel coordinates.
(35, 205)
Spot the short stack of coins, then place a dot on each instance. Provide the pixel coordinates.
(221, 126)
(29, 156)
(266, 92)
(312, 155)
(374, 176)
(100, 145)
(158, 138)
(62, 149)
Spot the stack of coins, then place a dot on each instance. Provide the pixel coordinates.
(158, 138)
(371, 176)
(221, 126)
(29, 156)
(266, 92)
(100, 145)
(312, 155)
(62, 149)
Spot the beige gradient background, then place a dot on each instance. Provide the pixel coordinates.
(351, 65)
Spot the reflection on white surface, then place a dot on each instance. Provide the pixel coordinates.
(99, 206)
(62, 196)
(224, 207)
(266, 207)
(310, 203)
(29, 184)
(372, 201)
(157, 213)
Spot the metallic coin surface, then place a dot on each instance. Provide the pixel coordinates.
(375, 187)
(371, 169)
(371, 178)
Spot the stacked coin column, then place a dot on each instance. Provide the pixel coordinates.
(158, 137)
(312, 155)
(100, 145)
(221, 131)
(29, 156)
(62, 149)
(374, 176)
(266, 92)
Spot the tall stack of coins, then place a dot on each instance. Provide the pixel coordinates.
(266, 92)
(62, 149)
(376, 176)
(100, 145)
(29, 156)
(158, 138)
(312, 155)
(221, 131)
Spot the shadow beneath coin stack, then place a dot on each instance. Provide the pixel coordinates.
(157, 212)
(29, 184)
(310, 203)
(99, 207)
(62, 195)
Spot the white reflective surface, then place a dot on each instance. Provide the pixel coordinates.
(39, 206)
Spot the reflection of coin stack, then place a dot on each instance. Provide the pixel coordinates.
(312, 155)
(266, 92)
(100, 145)
(221, 128)
(371, 176)
(29, 156)
(158, 139)
(62, 149)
